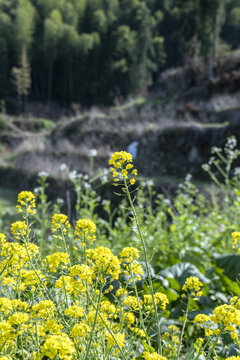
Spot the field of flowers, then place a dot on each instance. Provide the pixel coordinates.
(152, 278)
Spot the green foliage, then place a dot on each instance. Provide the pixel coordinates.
(235, 16)
(24, 24)
(180, 272)
(95, 51)
(3, 122)
(39, 124)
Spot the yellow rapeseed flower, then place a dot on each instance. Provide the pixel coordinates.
(60, 224)
(104, 263)
(193, 285)
(201, 319)
(153, 356)
(57, 261)
(132, 302)
(119, 339)
(19, 229)
(81, 272)
(27, 202)
(5, 305)
(31, 278)
(129, 254)
(74, 311)
(160, 299)
(7, 333)
(80, 330)
(128, 318)
(18, 318)
(44, 309)
(20, 305)
(121, 164)
(228, 316)
(58, 345)
(85, 231)
(52, 327)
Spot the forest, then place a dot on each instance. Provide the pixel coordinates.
(96, 51)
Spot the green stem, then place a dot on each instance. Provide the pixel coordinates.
(22, 347)
(183, 328)
(147, 266)
(94, 324)
(109, 330)
(65, 292)
(85, 262)
(139, 306)
(42, 283)
(202, 348)
(214, 344)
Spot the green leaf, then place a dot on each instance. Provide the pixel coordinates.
(230, 264)
(180, 272)
(190, 353)
(228, 284)
(147, 347)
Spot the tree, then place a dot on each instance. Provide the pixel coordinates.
(51, 38)
(5, 38)
(213, 16)
(24, 28)
(22, 79)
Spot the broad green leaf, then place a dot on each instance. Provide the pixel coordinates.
(180, 272)
(228, 284)
(230, 264)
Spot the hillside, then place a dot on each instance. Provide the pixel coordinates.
(175, 127)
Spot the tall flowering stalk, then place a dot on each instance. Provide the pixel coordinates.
(193, 288)
(123, 170)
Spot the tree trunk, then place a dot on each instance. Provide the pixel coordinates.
(70, 79)
(213, 49)
(50, 77)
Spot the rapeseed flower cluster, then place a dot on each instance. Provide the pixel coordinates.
(122, 167)
(161, 301)
(153, 356)
(57, 261)
(224, 318)
(27, 203)
(171, 341)
(104, 263)
(60, 225)
(129, 260)
(58, 345)
(193, 285)
(19, 229)
(85, 230)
